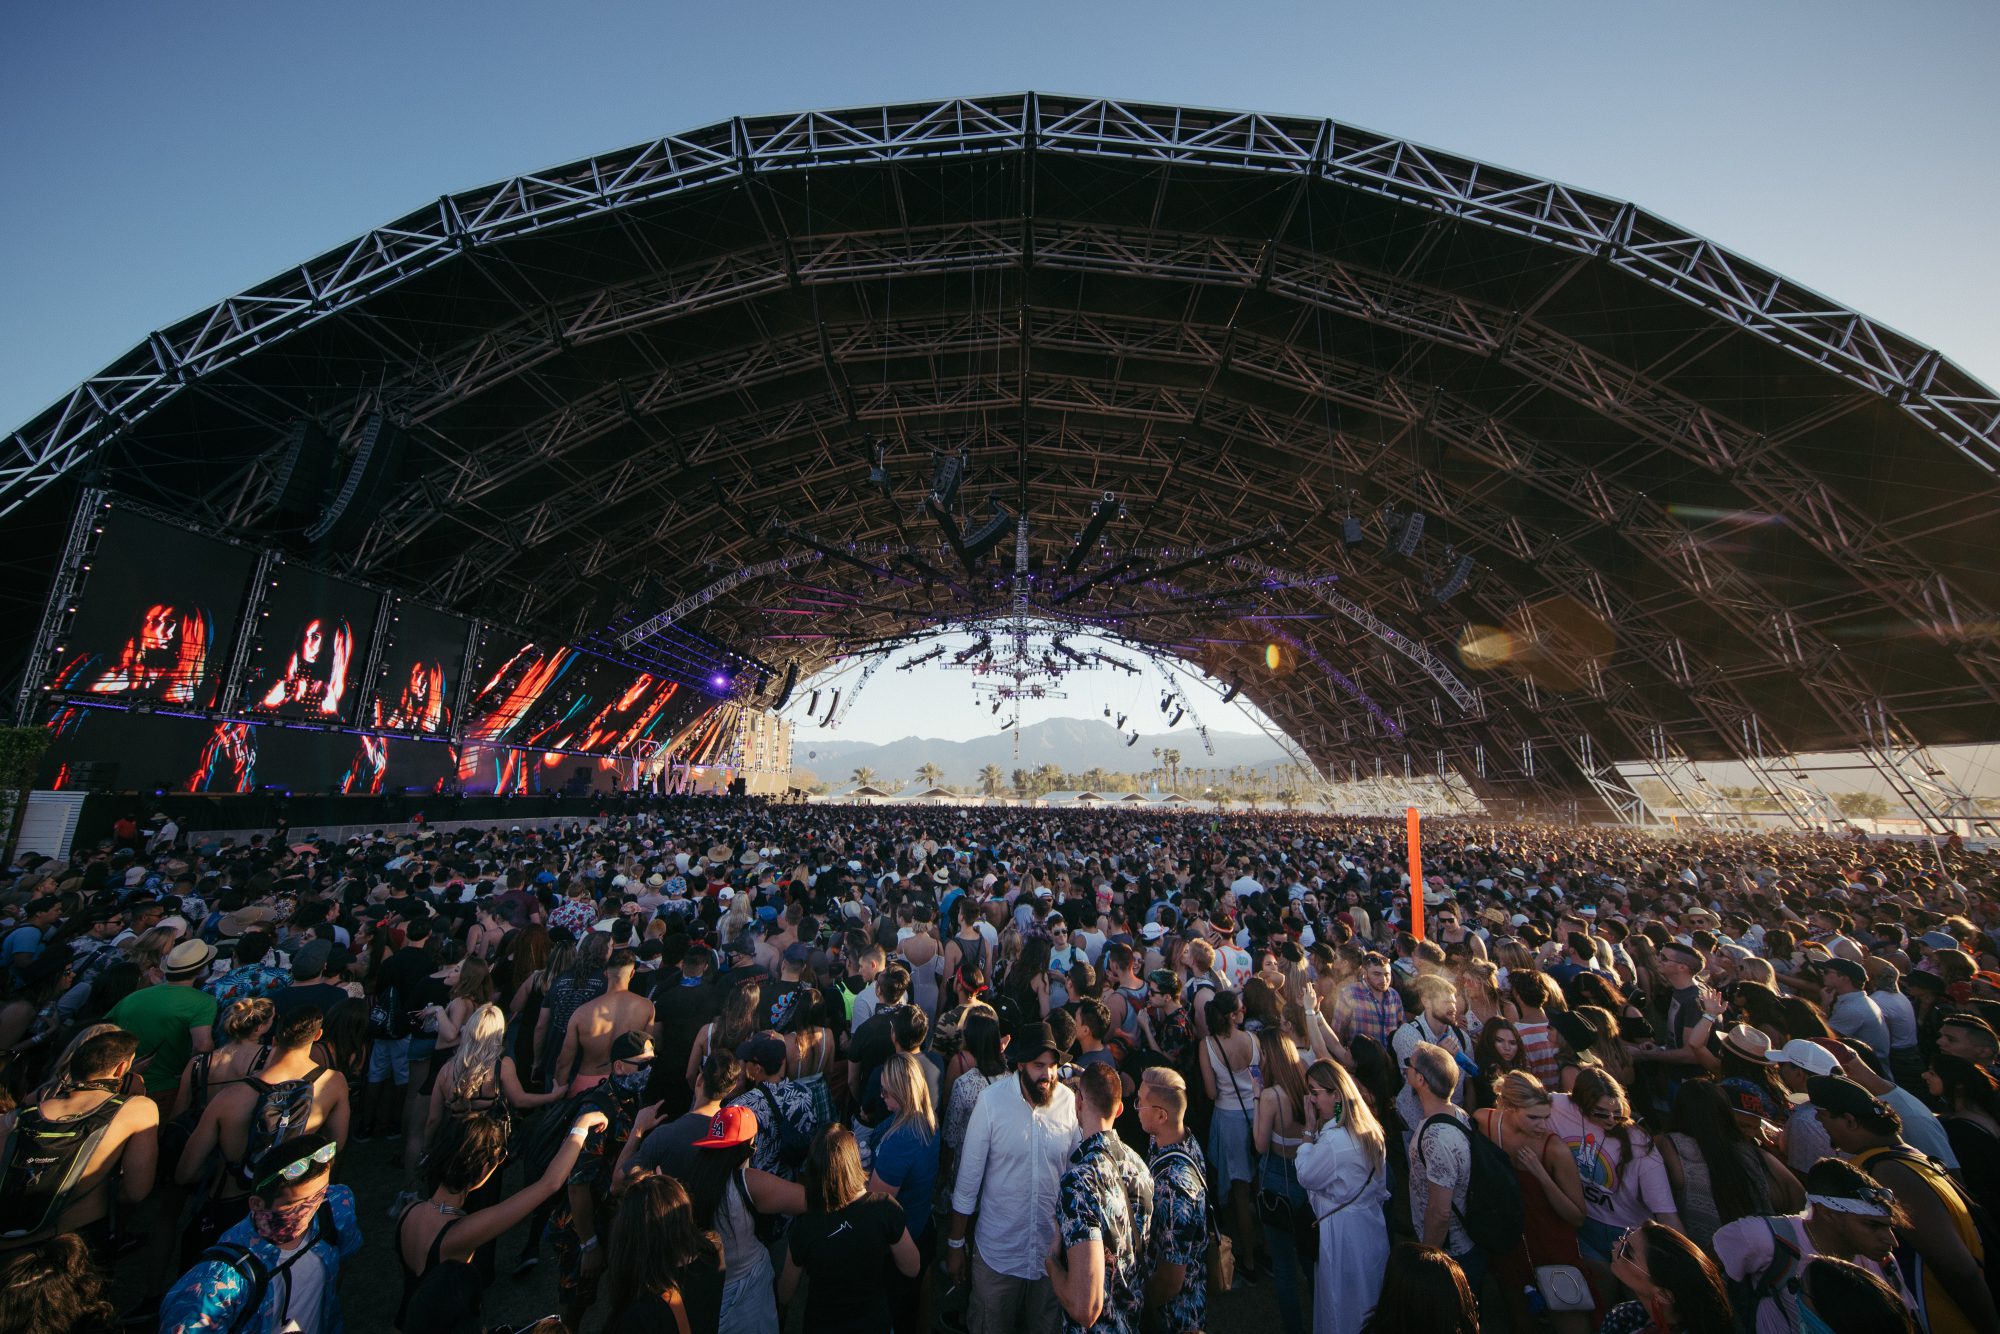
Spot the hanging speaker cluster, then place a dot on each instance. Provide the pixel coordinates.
(378, 456)
(1407, 533)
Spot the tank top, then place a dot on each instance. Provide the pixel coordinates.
(1135, 1002)
(743, 1256)
(1942, 1314)
(1699, 1215)
(433, 1263)
(1235, 1090)
(1538, 1049)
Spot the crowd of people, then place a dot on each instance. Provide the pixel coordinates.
(729, 1065)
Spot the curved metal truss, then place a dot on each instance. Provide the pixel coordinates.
(1711, 509)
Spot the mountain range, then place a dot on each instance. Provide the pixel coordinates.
(1075, 744)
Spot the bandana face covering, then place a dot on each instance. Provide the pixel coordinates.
(285, 1228)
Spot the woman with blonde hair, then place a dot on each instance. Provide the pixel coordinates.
(148, 950)
(479, 1080)
(1342, 1165)
(1479, 997)
(905, 1168)
(1552, 1200)
(243, 1028)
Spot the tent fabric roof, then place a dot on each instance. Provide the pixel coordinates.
(1703, 512)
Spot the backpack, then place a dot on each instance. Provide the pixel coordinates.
(545, 1136)
(1494, 1216)
(387, 1018)
(794, 1140)
(281, 1112)
(45, 1158)
(248, 1263)
(1747, 1295)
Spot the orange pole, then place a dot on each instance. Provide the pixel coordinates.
(1416, 874)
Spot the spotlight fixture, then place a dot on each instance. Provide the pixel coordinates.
(1133, 742)
(1235, 689)
(1121, 722)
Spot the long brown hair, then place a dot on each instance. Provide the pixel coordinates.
(834, 1178)
(655, 1241)
(1282, 1071)
(54, 1286)
(475, 982)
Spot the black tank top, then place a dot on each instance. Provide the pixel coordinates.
(443, 1285)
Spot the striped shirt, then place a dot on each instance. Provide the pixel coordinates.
(1538, 1048)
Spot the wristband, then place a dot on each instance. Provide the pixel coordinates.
(587, 1244)
(956, 1243)
(579, 1133)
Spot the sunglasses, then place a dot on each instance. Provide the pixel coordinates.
(293, 1171)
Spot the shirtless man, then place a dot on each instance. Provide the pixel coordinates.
(128, 1148)
(224, 1128)
(586, 1045)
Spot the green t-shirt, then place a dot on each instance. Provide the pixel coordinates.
(161, 1017)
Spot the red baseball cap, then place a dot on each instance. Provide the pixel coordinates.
(732, 1126)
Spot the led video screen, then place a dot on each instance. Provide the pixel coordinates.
(423, 655)
(156, 615)
(146, 752)
(517, 682)
(316, 630)
(602, 709)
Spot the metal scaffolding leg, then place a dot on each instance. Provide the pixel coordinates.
(1786, 781)
(1687, 784)
(1921, 781)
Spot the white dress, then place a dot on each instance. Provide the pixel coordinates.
(1354, 1241)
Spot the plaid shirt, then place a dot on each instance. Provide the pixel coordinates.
(1359, 1010)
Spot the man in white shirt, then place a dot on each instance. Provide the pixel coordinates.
(1016, 1148)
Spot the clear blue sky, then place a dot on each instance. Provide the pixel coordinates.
(162, 154)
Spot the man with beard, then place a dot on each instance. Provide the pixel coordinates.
(1017, 1146)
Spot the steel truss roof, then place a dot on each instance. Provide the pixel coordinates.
(619, 371)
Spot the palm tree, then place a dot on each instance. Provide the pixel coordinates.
(863, 775)
(1172, 759)
(990, 779)
(1288, 798)
(929, 775)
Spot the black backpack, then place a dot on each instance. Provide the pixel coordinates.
(248, 1263)
(45, 1157)
(545, 1136)
(1494, 1215)
(387, 1018)
(282, 1112)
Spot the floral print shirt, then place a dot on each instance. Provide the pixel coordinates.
(1180, 1232)
(1106, 1194)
